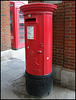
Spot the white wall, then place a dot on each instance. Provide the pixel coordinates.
(53, 2)
(26, 2)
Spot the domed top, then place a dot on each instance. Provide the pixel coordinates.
(38, 7)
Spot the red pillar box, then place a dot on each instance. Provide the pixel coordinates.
(38, 44)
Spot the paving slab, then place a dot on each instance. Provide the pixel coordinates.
(13, 80)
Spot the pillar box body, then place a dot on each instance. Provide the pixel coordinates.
(38, 44)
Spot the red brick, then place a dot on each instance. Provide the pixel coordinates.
(5, 22)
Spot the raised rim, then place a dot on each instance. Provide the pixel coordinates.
(37, 6)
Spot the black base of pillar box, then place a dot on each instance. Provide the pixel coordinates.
(39, 86)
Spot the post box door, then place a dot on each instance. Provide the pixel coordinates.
(34, 45)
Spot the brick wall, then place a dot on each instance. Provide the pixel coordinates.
(69, 47)
(5, 26)
(33, 1)
(58, 35)
(64, 34)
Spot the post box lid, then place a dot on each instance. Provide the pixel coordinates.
(38, 7)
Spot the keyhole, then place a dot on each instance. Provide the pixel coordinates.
(41, 44)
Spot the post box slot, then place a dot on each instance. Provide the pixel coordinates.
(31, 20)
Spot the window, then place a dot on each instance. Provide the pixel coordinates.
(53, 2)
(20, 12)
(21, 16)
(21, 33)
(22, 41)
(21, 24)
(22, 37)
(21, 29)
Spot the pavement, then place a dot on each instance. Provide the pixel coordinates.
(13, 80)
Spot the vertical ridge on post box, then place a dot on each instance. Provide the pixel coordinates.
(48, 43)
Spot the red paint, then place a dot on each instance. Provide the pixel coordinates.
(39, 50)
(15, 33)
